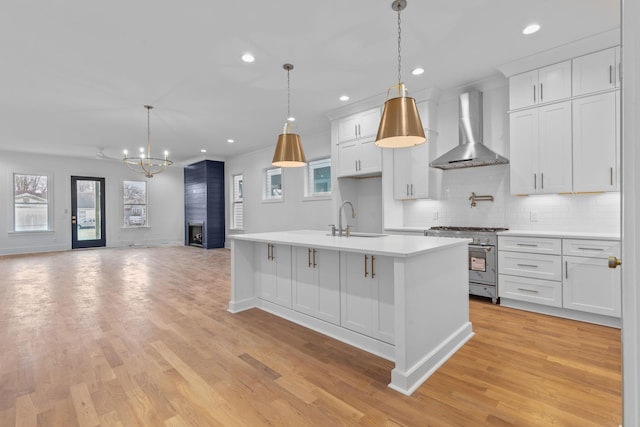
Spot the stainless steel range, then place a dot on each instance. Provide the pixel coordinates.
(483, 257)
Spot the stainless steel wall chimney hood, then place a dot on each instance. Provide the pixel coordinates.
(470, 152)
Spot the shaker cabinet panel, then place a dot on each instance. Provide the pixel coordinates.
(316, 283)
(273, 275)
(596, 72)
(595, 143)
(590, 285)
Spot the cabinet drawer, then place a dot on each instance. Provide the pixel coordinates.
(538, 266)
(591, 248)
(537, 245)
(531, 290)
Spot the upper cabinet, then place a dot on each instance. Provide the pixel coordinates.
(596, 72)
(359, 126)
(564, 126)
(357, 153)
(548, 84)
(541, 149)
(411, 172)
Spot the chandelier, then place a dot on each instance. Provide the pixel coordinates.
(144, 163)
(400, 125)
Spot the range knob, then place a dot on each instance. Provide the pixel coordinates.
(476, 240)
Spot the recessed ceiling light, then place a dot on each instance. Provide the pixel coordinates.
(203, 151)
(291, 119)
(230, 141)
(417, 71)
(530, 29)
(344, 98)
(247, 57)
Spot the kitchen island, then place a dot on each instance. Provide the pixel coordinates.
(403, 298)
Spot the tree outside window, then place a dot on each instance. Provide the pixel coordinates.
(31, 202)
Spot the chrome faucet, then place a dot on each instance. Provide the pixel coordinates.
(353, 215)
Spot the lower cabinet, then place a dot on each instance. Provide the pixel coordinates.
(590, 285)
(316, 283)
(571, 274)
(366, 292)
(273, 275)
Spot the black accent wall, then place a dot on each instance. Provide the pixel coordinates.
(204, 201)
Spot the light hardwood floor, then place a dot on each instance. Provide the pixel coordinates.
(126, 337)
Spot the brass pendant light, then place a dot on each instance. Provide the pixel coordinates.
(400, 125)
(289, 152)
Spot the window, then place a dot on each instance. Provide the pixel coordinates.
(135, 203)
(237, 208)
(31, 202)
(273, 184)
(318, 179)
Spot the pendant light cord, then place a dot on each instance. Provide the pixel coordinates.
(288, 95)
(399, 51)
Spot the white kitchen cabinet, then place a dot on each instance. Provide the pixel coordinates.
(367, 299)
(411, 172)
(359, 157)
(541, 155)
(596, 71)
(359, 126)
(595, 143)
(530, 269)
(316, 283)
(547, 84)
(273, 273)
(589, 284)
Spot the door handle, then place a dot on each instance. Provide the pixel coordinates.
(73, 219)
(614, 262)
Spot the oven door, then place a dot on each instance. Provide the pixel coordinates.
(482, 264)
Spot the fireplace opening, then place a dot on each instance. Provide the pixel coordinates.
(195, 234)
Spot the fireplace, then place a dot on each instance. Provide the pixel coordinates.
(195, 234)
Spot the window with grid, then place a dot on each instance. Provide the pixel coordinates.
(31, 207)
(273, 189)
(135, 203)
(318, 178)
(237, 209)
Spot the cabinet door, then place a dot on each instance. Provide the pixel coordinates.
(356, 292)
(523, 90)
(383, 299)
(348, 128)
(595, 147)
(524, 151)
(402, 164)
(316, 283)
(367, 295)
(274, 273)
(590, 285)
(595, 72)
(347, 158)
(369, 157)
(369, 123)
(419, 171)
(554, 141)
(555, 82)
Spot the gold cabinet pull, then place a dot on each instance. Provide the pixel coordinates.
(314, 258)
(614, 262)
(373, 260)
(366, 273)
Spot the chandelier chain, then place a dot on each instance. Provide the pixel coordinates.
(288, 95)
(399, 49)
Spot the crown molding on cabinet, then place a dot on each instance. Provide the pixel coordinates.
(562, 53)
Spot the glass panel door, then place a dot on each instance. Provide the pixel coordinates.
(87, 212)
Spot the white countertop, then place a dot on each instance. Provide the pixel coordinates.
(561, 234)
(388, 245)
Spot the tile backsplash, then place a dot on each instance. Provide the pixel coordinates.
(553, 212)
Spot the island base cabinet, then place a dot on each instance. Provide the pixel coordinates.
(316, 283)
(590, 285)
(273, 273)
(367, 301)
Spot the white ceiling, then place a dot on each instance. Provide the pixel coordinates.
(75, 74)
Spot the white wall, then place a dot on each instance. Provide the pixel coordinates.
(452, 188)
(294, 211)
(165, 194)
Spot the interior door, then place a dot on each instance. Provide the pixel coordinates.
(87, 212)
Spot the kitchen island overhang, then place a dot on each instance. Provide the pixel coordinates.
(403, 298)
